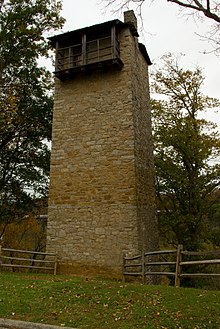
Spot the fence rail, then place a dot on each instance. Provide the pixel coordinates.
(11, 258)
(139, 265)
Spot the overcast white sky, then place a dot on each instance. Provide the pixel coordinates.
(165, 30)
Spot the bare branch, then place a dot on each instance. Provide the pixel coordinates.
(191, 4)
(209, 9)
(213, 38)
(208, 5)
(198, 7)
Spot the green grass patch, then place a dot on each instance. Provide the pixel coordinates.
(101, 303)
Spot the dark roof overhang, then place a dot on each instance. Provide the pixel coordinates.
(93, 28)
(144, 52)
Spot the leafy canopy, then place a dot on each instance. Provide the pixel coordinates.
(25, 103)
(185, 146)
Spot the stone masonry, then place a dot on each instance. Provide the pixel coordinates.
(102, 198)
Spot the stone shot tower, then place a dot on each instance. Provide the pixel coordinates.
(101, 199)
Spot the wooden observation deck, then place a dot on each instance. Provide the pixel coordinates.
(88, 49)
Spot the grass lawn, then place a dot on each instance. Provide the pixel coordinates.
(97, 303)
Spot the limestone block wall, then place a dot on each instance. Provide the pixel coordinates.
(101, 199)
(143, 151)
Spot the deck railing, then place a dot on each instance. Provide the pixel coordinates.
(97, 50)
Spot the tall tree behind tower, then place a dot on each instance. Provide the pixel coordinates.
(25, 103)
(185, 145)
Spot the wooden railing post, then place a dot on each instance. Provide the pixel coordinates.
(178, 266)
(143, 267)
(55, 265)
(0, 255)
(123, 267)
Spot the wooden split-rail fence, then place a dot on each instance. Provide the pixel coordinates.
(144, 264)
(34, 260)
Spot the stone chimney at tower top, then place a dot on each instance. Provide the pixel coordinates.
(131, 20)
(101, 197)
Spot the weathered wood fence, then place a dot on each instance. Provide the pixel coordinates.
(28, 259)
(150, 263)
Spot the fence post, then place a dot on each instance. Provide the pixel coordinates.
(123, 267)
(0, 255)
(143, 267)
(178, 266)
(55, 265)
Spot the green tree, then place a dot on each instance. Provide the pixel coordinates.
(185, 146)
(25, 103)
